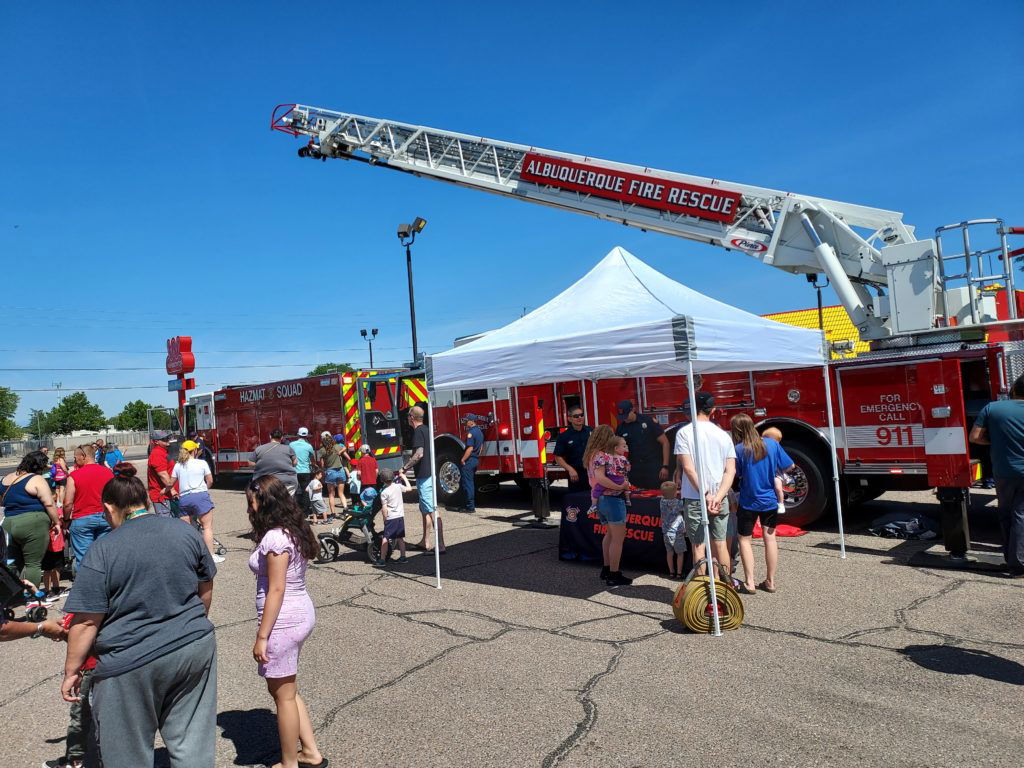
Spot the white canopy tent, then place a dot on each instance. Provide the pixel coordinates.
(623, 319)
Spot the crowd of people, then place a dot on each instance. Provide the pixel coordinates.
(141, 651)
(636, 455)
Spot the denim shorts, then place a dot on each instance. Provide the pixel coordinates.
(611, 510)
(335, 476)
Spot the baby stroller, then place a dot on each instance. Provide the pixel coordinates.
(360, 517)
(13, 594)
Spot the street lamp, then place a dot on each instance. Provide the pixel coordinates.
(369, 340)
(407, 236)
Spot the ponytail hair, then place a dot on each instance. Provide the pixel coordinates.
(125, 491)
(184, 455)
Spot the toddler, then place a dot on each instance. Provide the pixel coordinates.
(616, 471)
(774, 433)
(80, 744)
(315, 490)
(673, 528)
(394, 485)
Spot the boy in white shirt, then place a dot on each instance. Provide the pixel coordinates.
(393, 509)
(718, 467)
(315, 491)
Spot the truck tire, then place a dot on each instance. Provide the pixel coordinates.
(449, 474)
(808, 495)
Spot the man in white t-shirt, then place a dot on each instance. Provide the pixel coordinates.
(718, 467)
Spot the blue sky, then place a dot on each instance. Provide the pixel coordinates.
(144, 195)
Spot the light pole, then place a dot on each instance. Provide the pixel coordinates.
(370, 338)
(407, 236)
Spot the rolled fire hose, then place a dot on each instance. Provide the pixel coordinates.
(692, 604)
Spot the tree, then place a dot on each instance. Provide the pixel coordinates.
(37, 424)
(75, 412)
(323, 368)
(8, 405)
(132, 417)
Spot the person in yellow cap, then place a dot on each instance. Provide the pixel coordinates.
(194, 480)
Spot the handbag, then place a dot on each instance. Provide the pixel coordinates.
(56, 539)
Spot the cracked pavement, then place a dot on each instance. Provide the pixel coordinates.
(522, 660)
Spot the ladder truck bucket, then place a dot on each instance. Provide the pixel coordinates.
(282, 122)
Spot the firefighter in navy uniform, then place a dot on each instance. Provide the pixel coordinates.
(570, 447)
(470, 460)
(648, 447)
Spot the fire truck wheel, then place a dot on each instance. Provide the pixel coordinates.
(449, 474)
(806, 492)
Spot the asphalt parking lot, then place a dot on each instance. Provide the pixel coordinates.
(523, 660)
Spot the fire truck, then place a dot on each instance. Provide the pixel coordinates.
(941, 314)
(367, 407)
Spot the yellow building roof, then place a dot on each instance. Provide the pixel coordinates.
(837, 325)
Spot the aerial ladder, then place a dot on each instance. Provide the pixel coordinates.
(891, 284)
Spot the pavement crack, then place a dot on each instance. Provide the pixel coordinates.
(29, 689)
(590, 712)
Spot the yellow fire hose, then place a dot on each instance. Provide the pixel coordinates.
(692, 604)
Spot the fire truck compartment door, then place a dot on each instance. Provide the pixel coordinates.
(378, 407)
(908, 417)
(944, 421)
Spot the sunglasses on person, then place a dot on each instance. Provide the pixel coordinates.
(575, 415)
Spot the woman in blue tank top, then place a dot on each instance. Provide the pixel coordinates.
(29, 512)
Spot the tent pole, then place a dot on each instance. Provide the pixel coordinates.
(698, 463)
(433, 485)
(835, 458)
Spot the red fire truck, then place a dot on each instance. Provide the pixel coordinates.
(943, 323)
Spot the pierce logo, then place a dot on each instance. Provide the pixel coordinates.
(750, 246)
(572, 513)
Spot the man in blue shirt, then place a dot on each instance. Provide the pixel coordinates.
(470, 460)
(1001, 425)
(304, 453)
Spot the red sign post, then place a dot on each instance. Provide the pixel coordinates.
(712, 203)
(180, 361)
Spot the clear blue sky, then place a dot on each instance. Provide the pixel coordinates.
(144, 195)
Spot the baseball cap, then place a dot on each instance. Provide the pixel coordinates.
(339, 438)
(364, 448)
(705, 401)
(161, 434)
(303, 432)
(625, 406)
(190, 445)
(472, 417)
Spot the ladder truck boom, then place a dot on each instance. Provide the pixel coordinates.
(858, 248)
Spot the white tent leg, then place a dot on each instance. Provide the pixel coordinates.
(433, 485)
(698, 463)
(835, 460)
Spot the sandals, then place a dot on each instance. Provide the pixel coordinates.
(764, 585)
(743, 589)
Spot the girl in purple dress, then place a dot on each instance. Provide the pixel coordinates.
(285, 612)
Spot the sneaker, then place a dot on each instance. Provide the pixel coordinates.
(219, 558)
(605, 573)
(380, 563)
(616, 579)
